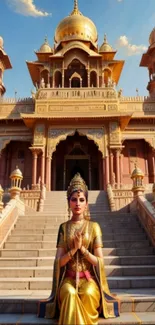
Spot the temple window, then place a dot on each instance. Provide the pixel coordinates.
(58, 79)
(93, 79)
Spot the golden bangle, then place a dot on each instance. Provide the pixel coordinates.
(70, 254)
(86, 252)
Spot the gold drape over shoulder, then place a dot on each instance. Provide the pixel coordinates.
(83, 305)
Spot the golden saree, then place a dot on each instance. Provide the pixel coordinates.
(83, 302)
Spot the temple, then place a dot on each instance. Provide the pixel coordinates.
(77, 120)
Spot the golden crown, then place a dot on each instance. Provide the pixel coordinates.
(77, 184)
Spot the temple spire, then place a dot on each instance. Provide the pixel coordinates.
(76, 5)
(76, 9)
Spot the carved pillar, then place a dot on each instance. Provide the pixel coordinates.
(121, 168)
(104, 173)
(48, 171)
(35, 153)
(111, 167)
(43, 167)
(107, 170)
(117, 168)
(34, 168)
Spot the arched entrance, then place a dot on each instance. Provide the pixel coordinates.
(76, 154)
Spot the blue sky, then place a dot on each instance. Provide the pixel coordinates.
(25, 23)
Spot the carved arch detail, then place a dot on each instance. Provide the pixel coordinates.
(57, 135)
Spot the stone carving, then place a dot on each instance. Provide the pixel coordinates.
(91, 93)
(57, 135)
(112, 107)
(39, 135)
(114, 131)
(7, 139)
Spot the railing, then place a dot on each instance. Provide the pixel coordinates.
(119, 199)
(146, 214)
(8, 218)
(122, 199)
(34, 198)
(31, 198)
(77, 93)
(111, 197)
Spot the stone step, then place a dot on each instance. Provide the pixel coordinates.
(32, 237)
(47, 237)
(46, 271)
(51, 252)
(45, 283)
(128, 244)
(124, 318)
(50, 244)
(48, 261)
(54, 230)
(18, 301)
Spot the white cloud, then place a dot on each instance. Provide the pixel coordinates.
(130, 49)
(26, 8)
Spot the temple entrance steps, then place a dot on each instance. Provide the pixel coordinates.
(26, 261)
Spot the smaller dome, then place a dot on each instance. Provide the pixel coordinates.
(1, 42)
(45, 47)
(105, 47)
(152, 37)
(16, 173)
(137, 172)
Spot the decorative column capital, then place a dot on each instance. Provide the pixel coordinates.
(36, 151)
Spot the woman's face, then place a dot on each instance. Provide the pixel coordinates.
(78, 203)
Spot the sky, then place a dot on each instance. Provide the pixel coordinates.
(24, 24)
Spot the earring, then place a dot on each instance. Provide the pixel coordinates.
(69, 212)
(87, 213)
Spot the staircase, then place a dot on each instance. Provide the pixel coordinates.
(26, 262)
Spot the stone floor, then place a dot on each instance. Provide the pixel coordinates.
(124, 319)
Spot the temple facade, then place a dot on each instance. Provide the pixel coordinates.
(77, 120)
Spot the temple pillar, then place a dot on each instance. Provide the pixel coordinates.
(48, 172)
(104, 173)
(43, 167)
(34, 168)
(117, 168)
(106, 170)
(111, 167)
(35, 152)
(121, 168)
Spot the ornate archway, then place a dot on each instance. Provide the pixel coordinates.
(76, 153)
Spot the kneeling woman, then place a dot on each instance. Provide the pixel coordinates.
(80, 290)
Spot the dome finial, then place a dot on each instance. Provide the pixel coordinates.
(76, 5)
(76, 9)
(105, 38)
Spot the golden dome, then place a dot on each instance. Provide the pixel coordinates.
(45, 48)
(152, 38)
(76, 27)
(16, 173)
(137, 173)
(105, 47)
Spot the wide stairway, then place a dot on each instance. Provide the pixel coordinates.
(26, 262)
